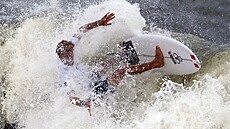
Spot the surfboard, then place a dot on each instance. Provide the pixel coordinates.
(178, 58)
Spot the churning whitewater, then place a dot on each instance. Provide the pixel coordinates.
(33, 99)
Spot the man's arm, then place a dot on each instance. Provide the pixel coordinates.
(104, 21)
(81, 103)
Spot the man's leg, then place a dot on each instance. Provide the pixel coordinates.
(157, 62)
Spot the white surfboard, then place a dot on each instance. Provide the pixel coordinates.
(178, 58)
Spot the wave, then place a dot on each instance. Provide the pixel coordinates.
(33, 99)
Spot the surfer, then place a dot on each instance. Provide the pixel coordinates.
(65, 53)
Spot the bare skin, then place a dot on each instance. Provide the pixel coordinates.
(68, 59)
(76, 101)
(104, 21)
(119, 74)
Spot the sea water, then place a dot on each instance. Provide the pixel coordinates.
(32, 99)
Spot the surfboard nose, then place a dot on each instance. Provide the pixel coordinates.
(178, 58)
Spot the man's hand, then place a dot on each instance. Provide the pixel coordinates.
(81, 103)
(104, 20)
(89, 106)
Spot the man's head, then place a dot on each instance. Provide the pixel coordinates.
(64, 51)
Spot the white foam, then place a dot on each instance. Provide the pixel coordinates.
(199, 106)
(35, 101)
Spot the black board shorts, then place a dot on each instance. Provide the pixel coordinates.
(130, 53)
(99, 85)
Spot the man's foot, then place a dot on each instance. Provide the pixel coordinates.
(159, 58)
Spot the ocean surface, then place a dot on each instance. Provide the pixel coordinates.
(32, 99)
